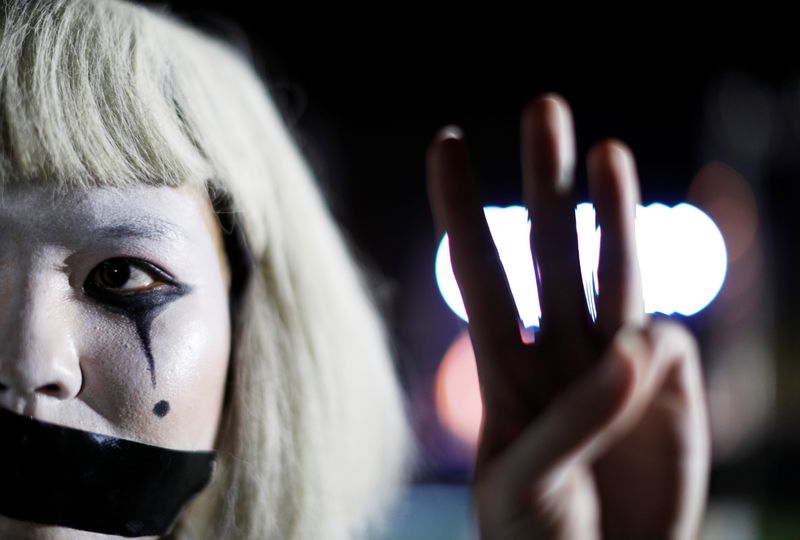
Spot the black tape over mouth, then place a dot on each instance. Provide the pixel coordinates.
(55, 475)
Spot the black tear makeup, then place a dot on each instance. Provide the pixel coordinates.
(141, 309)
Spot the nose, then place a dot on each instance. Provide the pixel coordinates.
(38, 355)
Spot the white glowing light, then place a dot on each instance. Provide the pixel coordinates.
(510, 230)
(682, 258)
(681, 255)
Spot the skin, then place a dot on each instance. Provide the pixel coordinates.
(596, 430)
(68, 359)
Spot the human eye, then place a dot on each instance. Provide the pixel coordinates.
(132, 286)
(125, 276)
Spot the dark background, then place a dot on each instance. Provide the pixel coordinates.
(363, 102)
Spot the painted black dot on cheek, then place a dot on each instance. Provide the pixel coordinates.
(161, 409)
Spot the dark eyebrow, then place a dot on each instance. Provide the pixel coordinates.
(150, 228)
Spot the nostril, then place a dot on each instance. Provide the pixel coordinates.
(3, 387)
(50, 390)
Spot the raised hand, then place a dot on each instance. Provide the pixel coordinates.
(598, 429)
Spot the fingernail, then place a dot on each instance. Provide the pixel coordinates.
(565, 141)
(624, 157)
(567, 148)
(450, 132)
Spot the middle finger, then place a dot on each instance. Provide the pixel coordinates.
(548, 159)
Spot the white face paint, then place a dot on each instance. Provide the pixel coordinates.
(68, 358)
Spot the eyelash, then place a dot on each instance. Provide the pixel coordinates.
(156, 275)
(135, 302)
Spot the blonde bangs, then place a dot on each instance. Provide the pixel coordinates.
(87, 100)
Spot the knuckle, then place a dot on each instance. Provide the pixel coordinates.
(668, 329)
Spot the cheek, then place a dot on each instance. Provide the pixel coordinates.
(195, 351)
(190, 346)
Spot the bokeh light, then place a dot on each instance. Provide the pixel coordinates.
(457, 392)
(682, 258)
(510, 230)
(681, 252)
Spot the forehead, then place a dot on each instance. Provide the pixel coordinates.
(145, 211)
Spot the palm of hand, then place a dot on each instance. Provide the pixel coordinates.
(596, 430)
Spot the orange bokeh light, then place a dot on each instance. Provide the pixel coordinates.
(457, 392)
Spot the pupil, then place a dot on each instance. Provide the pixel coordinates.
(115, 274)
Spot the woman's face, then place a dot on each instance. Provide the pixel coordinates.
(113, 316)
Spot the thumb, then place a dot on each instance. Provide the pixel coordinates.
(578, 425)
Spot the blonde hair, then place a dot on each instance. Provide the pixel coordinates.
(314, 441)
